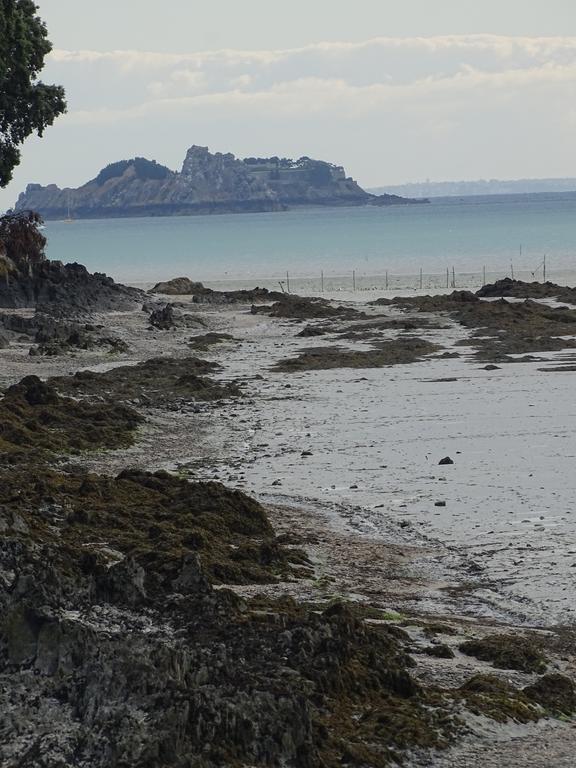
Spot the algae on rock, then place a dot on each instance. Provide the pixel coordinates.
(35, 421)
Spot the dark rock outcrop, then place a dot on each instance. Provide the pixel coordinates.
(29, 279)
(52, 336)
(66, 285)
(521, 290)
(183, 286)
(207, 183)
(179, 286)
(170, 316)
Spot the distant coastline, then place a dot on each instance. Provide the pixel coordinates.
(479, 188)
(510, 198)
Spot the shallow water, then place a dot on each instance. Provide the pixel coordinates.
(467, 234)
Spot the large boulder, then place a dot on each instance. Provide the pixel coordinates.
(179, 286)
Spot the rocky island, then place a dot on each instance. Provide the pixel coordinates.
(208, 183)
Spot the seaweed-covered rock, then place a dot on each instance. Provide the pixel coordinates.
(502, 328)
(522, 290)
(183, 286)
(439, 651)
(205, 341)
(297, 307)
(178, 286)
(394, 352)
(554, 692)
(312, 330)
(493, 697)
(498, 699)
(115, 646)
(35, 421)
(507, 652)
(156, 521)
(156, 382)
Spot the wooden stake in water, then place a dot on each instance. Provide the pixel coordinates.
(544, 268)
(322, 281)
(447, 278)
(453, 278)
(386, 279)
(287, 282)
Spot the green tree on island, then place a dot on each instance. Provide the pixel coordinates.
(26, 104)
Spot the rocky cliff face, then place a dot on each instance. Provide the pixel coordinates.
(207, 183)
(220, 178)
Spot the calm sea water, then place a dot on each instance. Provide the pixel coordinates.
(467, 234)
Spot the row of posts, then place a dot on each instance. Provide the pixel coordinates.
(421, 284)
(450, 278)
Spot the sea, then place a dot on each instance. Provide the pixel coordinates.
(460, 242)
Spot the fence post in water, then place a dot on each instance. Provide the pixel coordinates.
(288, 282)
(353, 279)
(453, 278)
(386, 279)
(322, 281)
(544, 268)
(512, 270)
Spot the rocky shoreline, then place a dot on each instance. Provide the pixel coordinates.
(189, 578)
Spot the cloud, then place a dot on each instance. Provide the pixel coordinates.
(389, 109)
(124, 84)
(498, 45)
(307, 95)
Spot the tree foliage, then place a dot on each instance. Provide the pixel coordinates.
(320, 170)
(21, 240)
(26, 104)
(144, 169)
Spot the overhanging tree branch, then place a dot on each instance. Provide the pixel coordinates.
(27, 105)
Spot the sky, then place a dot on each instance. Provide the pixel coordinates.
(394, 91)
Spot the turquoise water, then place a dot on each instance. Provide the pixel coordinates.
(467, 234)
